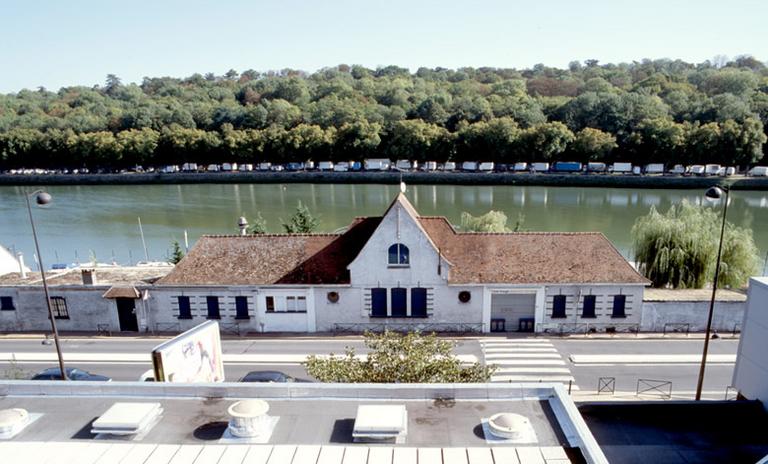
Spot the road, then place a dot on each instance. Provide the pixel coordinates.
(578, 361)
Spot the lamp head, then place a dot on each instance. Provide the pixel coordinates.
(43, 198)
(242, 222)
(714, 193)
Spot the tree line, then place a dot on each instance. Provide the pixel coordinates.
(649, 111)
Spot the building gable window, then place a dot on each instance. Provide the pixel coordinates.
(213, 307)
(418, 302)
(588, 310)
(558, 307)
(399, 302)
(399, 255)
(241, 307)
(59, 307)
(296, 304)
(619, 306)
(185, 309)
(6, 303)
(378, 302)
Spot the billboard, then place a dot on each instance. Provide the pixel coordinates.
(192, 357)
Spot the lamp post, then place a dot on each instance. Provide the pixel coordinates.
(43, 198)
(712, 193)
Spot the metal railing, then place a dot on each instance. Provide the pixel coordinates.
(606, 385)
(449, 327)
(104, 329)
(231, 328)
(571, 328)
(661, 388)
(677, 327)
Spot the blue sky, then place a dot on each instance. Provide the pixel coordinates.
(55, 43)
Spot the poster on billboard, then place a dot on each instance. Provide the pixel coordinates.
(192, 357)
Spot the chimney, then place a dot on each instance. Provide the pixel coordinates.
(89, 276)
(22, 268)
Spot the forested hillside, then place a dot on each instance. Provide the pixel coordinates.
(650, 111)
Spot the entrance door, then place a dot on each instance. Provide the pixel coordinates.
(126, 313)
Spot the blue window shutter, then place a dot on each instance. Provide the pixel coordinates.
(213, 307)
(378, 302)
(185, 310)
(558, 307)
(418, 302)
(399, 302)
(619, 305)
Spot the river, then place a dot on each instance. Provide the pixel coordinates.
(83, 221)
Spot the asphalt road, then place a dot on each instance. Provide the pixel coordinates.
(682, 375)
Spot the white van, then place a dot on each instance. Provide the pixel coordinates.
(654, 168)
(377, 164)
(621, 168)
(341, 166)
(404, 165)
(678, 169)
(758, 171)
(245, 167)
(485, 167)
(212, 168)
(449, 166)
(712, 169)
(469, 166)
(520, 167)
(697, 170)
(540, 167)
(325, 166)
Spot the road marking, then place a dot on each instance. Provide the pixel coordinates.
(649, 358)
(522, 355)
(533, 378)
(526, 361)
(545, 370)
(521, 350)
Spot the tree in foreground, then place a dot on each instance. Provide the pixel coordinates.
(492, 221)
(398, 358)
(302, 221)
(678, 249)
(176, 254)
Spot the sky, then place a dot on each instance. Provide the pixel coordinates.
(54, 43)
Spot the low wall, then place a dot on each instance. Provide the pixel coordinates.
(727, 316)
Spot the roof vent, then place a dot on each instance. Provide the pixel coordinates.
(128, 419)
(12, 421)
(510, 426)
(381, 423)
(89, 276)
(249, 419)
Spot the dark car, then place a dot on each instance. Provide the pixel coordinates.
(270, 377)
(54, 373)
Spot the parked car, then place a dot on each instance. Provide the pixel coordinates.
(697, 169)
(270, 377)
(189, 167)
(596, 167)
(73, 373)
(678, 169)
(341, 166)
(654, 168)
(712, 169)
(265, 166)
(294, 166)
(355, 166)
(245, 167)
(277, 168)
(325, 165)
(213, 168)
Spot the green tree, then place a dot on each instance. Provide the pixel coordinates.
(396, 358)
(492, 221)
(176, 253)
(592, 144)
(679, 248)
(302, 221)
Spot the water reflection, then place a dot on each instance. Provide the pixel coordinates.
(104, 218)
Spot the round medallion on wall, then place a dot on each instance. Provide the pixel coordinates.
(465, 296)
(333, 297)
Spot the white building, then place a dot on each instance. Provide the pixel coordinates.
(8, 262)
(403, 270)
(750, 376)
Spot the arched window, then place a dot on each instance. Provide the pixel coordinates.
(398, 255)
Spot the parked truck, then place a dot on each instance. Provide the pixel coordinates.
(621, 168)
(540, 167)
(654, 168)
(377, 164)
(567, 166)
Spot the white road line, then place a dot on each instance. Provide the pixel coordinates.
(528, 362)
(649, 358)
(522, 355)
(530, 370)
(521, 350)
(533, 378)
(712, 364)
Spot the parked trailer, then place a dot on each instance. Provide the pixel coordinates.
(325, 166)
(621, 168)
(758, 171)
(469, 166)
(448, 166)
(377, 164)
(712, 169)
(520, 167)
(404, 165)
(596, 167)
(567, 166)
(540, 167)
(654, 168)
(485, 167)
(341, 167)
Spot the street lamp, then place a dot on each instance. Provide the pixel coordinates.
(712, 193)
(43, 198)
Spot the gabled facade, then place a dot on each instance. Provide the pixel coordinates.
(402, 270)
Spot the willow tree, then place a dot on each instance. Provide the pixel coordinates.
(492, 221)
(679, 248)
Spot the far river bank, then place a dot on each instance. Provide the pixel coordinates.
(392, 177)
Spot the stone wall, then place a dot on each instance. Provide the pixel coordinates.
(727, 315)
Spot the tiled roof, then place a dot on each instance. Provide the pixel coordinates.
(105, 276)
(272, 258)
(530, 257)
(511, 258)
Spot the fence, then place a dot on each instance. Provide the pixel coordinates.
(661, 388)
(586, 328)
(677, 327)
(469, 327)
(606, 385)
(167, 327)
(232, 328)
(104, 329)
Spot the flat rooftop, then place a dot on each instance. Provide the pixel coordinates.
(444, 424)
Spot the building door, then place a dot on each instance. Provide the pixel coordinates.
(126, 313)
(513, 312)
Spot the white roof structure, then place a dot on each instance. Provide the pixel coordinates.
(8, 262)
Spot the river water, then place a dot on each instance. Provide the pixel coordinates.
(84, 221)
